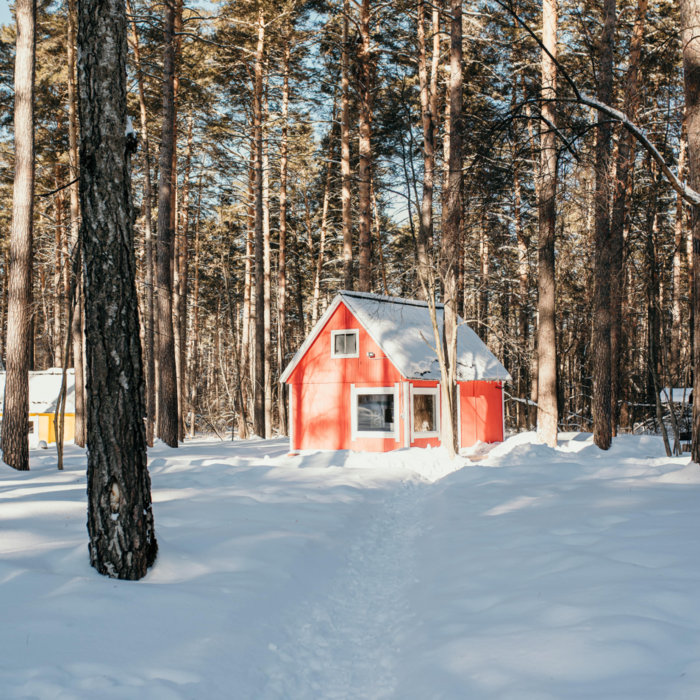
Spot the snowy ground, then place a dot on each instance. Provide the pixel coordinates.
(534, 574)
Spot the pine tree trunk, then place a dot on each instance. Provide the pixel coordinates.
(194, 353)
(348, 273)
(15, 424)
(364, 60)
(77, 326)
(602, 435)
(690, 41)
(546, 342)
(183, 271)
(324, 223)
(267, 319)
(259, 401)
(246, 357)
(623, 183)
(523, 412)
(120, 518)
(425, 230)
(167, 384)
(451, 233)
(58, 299)
(675, 359)
(148, 226)
(282, 274)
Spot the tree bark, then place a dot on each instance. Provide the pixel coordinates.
(690, 41)
(348, 273)
(59, 297)
(602, 434)
(282, 256)
(194, 352)
(523, 410)
(182, 262)
(120, 518)
(148, 226)
(546, 327)
(622, 183)
(167, 385)
(451, 234)
(675, 359)
(425, 230)
(259, 400)
(324, 223)
(267, 318)
(15, 428)
(364, 60)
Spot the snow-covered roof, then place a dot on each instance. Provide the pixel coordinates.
(403, 330)
(677, 394)
(44, 388)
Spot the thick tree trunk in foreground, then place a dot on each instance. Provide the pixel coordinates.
(623, 173)
(546, 342)
(348, 274)
(602, 434)
(690, 41)
(15, 424)
(364, 60)
(168, 429)
(451, 235)
(120, 517)
(259, 393)
(77, 326)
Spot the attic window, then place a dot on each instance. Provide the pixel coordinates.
(345, 343)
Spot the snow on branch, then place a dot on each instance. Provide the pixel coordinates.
(688, 194)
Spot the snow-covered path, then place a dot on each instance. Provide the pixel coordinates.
(343, 645)
(536, 574)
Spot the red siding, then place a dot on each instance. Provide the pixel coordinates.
(481, 406)
(321, 390)
(320, 395)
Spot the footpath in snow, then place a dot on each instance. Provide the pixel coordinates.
(534, 574)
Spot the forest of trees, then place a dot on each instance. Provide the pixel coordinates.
(466, 152)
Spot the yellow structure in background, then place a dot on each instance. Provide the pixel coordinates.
(44, 388)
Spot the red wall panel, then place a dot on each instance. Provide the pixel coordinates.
(321, 390)
(481, 406)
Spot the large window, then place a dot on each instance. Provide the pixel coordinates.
(375, 412)
(345, 343)
(426, 412)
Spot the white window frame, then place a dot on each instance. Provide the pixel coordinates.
(356, 331)
(425, 390)
(363, 391)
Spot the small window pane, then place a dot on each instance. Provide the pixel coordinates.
(375, 413)
(424, 413)
(339, 344)
(350, 343)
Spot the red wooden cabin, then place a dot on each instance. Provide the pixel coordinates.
(367, 379)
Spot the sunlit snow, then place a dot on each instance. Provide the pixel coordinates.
(531, 574)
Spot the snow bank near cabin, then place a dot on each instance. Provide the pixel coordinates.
(429, 464)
